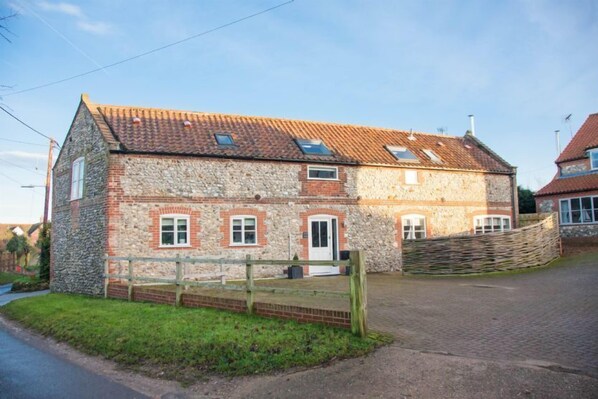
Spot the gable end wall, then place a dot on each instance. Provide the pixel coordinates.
(79, 226)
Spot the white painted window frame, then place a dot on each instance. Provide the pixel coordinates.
(77, 178)
(242, 218)
(412, 172)
(393, 149)
(592, 211)
(593, 155)
(432, 155)
(482, 217)
(411, 235)
(176, 217)
(310, 168)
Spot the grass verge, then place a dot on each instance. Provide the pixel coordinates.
(7, 278)
(185, 344)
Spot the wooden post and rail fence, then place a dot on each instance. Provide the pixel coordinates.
(357, 294)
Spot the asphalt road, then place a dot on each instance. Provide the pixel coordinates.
(28, 372)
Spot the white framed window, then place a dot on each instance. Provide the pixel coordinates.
(322, 173)
(402, 153)
(491, 224)
(174, 231)
(432, 155)
(313, 147)
(414, 227)
(593, 159)
(243, 230)
(77, 178)
(579, 210)
(411, 177)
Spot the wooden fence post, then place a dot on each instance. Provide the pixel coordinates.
(130, 281)
(106, 279)
(249, 284)
(358, 294)
(179, 278)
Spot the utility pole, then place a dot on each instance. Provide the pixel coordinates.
(48, 175)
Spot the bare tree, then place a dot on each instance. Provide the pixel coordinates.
(4, 28)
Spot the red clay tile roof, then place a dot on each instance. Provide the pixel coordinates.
(572, 184)
(164, 132)
(585, 138)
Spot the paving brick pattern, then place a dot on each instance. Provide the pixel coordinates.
(548, 315)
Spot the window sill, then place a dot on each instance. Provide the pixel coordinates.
(579, 224)
(174, 246)
(320, 179)
(244, 245)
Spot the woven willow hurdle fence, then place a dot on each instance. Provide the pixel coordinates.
(529, 246)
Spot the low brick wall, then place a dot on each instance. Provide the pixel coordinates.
(203, 301)
(300, 314)
(333, 318)
(118, 291)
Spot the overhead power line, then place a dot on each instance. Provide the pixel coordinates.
(155, 50)
(23, 142)
(30, 128)
(10, 178)
(20, 167)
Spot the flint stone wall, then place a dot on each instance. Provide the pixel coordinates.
(79, 226)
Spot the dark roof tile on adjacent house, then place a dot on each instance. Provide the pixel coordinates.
(585, 138)
(562, 185)
(158, 131)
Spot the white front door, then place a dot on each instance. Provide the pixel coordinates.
(323, 243)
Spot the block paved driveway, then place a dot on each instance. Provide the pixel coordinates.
(545, 315)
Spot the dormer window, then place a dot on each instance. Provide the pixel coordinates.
(402, 153)
(593, 158)
(433, 157)
(224, 139)
(313, 147)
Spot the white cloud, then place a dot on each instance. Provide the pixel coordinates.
(97, 28)
(64, 8)
(83, 22)
(24, 154)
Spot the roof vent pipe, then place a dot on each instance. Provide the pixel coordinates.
(411, 136)
(472, 125)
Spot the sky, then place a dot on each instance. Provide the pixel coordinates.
(519, 66)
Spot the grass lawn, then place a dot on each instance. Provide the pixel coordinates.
(6, 277)
(185, 344)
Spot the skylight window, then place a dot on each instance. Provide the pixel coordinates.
(224, 139)
(313, 147)
(402, 153)
(433, 157)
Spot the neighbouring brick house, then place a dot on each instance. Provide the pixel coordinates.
(573, 192)
(135, 181)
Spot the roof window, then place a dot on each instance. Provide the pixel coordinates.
(313, 147)
(402, 153)
(433, 157)
(224, 139)
(136, 120)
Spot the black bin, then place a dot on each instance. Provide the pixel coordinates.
(295, 272)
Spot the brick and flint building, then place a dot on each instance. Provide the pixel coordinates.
(133, 181)
(573, 192)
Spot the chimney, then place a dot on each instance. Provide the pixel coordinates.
(558, 142)
(472, 125)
